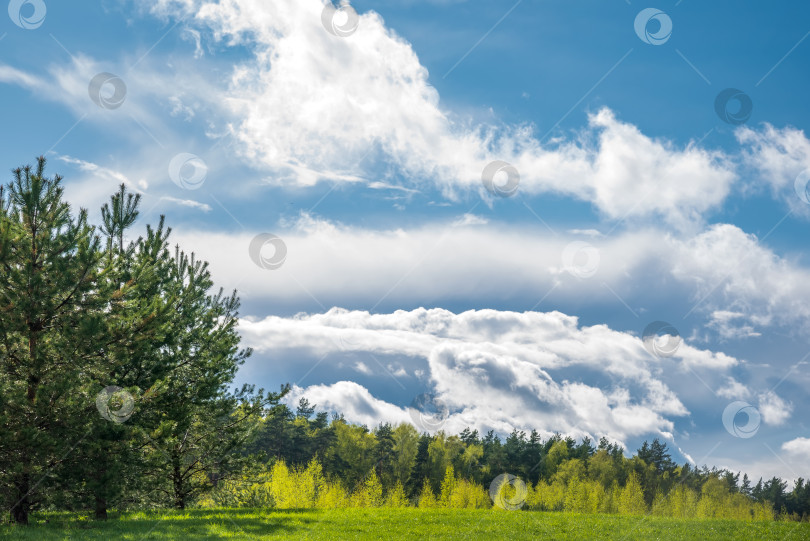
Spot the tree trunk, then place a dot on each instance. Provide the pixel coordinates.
(177, 480)
(101, 508)
(20, 510)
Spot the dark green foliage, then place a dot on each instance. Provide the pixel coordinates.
(52, 295)
(115, 360)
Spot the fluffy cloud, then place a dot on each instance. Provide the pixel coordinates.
(774, 410)
(754, 286)
(496, 370)
(353, 400)
(733, 390)
(309, 105)
(799, 447)
(779, 156)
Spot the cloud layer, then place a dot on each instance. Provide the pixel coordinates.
(494, 369)
(722, 275)
(309, 105)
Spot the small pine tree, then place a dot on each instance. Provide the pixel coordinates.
(427, 499)
(369, 493)
(631, 498)
(396, 496)
(448, 485)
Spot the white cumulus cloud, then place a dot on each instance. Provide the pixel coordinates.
(495, 369)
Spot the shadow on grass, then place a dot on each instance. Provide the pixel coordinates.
(168, 524)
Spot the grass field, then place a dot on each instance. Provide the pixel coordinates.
(393, 523)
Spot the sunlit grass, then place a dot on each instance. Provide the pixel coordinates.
(391, 524)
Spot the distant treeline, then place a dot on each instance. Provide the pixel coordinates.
(307, 459)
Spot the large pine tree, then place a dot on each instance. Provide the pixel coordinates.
(51, 322)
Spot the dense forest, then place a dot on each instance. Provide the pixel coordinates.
(117, 357)
(347, 464)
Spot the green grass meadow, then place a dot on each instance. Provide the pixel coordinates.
(393, 524)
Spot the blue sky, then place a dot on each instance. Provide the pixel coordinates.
(364, 153)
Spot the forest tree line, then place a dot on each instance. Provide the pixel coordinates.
(299, 453)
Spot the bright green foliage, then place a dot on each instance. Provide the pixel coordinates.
(332, 496)
(427, 500)
(570, 470)
(448, 486)
(510, 496)
(577, 497)
(369, 493)
(441, 452)
(406, 440)
(631, 498)
(680, 502)
(469, 495)
(602, 467)
(556, 456)
(281, 487)
(352, 453)
(547, 497)
(396, 497)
